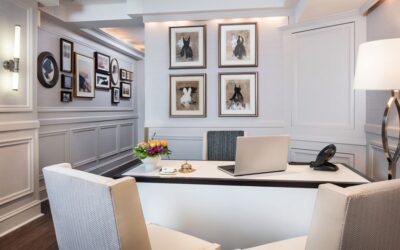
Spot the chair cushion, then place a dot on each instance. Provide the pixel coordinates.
(298, 243)
(162, 238)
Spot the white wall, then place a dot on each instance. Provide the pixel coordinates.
(19, 193)
(315, 107)
(383, 22)
(92, 134)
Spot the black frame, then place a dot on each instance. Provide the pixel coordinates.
(63, 78)
(43, 56)
(130, 90)
(62, 95)
(100, 86)
(112, 96)
(62, 40)
(114, 82)
(123, 72)
(106, 72)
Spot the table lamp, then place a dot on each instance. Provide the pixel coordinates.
(378, 68)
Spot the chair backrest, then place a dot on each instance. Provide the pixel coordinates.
(94, 212)
(220, 145)
(359, 217)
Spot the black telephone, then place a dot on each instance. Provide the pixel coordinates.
(322, 162)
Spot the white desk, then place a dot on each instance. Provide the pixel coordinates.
(236, 212)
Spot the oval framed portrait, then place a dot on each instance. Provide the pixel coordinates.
(47, 70)
(114, 72)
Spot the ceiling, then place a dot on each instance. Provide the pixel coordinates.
(122, 20)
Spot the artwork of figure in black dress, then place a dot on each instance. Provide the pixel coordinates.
(237, 99)
(48, 70)
(186, 50)
(240, 50)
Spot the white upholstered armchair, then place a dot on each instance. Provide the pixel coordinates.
(95, 212)
(364, 217)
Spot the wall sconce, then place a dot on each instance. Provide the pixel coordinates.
(13, 64)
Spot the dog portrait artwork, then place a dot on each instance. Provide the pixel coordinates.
(238, 45)
(187, 47)
(187, 96)
(238, 94)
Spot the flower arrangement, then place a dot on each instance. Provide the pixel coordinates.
(152, 148)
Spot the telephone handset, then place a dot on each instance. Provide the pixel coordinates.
(322, 162)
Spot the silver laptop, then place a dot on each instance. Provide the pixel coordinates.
(259, 154)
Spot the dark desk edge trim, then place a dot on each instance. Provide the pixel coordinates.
(117, 173)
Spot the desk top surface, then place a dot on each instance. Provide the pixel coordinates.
(207, 172)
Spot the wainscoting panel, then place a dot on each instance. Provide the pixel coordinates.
(125, 136)
(108, 141)
(16, 160)
(302, 155)
(83, 146)
(54, 148)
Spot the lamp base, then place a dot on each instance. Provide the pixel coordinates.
(391, 158)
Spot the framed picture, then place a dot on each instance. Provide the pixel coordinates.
(123, 74)
(66, 50)
(66, 96)
(66, 82)
(84, 76)
(115, 93)
(238, 94)
(129, 75)
(187, 47)
(102, 81)
(47, 70)
(188, 95)
(114, 72)
(238, 45)
(125, 90)
(102, 63)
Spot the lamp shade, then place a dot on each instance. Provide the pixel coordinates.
(378, 65)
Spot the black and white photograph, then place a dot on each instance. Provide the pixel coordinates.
(102, 63)
(187, 47)
(238, 94)
(125, 90)
(47, 70)
(188, 95)
(102, 81)
(115, 95)
(66, 50)
(66, 96)
(238, 45)
(84, 82)
(123, 74)
(66, 82)
(114, 72)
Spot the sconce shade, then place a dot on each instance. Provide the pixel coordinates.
(17, 41)
(378, 65)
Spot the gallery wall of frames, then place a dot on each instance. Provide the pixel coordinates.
(86, 101)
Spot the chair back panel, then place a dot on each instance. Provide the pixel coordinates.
(359, 217)
(221, 145)
(86, 213)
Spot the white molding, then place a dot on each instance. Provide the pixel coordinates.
(84, 109)
(30, 168)
(219, 124)
(97, 166)
(119, 135)
(90, 159)
(30, 59)
(115, 151)
(19, 125)
(314, 153)
(179, 137)
(376, 130)
(18, 211)
(72, 120)
(210, 15)
(373, 146)
(367, 6)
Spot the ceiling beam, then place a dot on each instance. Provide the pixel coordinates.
(49, 3)
(364, 9)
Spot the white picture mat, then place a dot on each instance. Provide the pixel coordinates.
(200, 62)
(253, 99)
(81, 58)
(201, 94)
(67, 61)
(252, 58)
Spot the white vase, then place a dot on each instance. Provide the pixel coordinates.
(151, 163)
